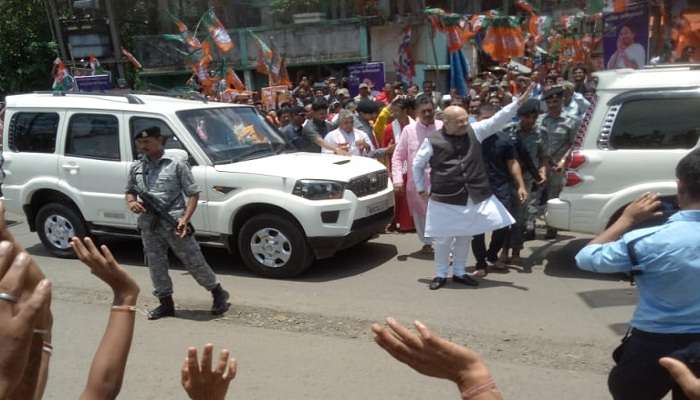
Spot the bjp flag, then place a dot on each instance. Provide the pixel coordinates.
(217, 31)
(503, 40)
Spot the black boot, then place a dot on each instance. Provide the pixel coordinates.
(551, 234)
(165, 309)
(220, 304)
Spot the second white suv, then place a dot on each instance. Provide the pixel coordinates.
(67, 156)
(644, 122)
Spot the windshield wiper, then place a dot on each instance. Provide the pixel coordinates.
(256, 149)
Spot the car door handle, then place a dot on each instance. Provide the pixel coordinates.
(71, 168)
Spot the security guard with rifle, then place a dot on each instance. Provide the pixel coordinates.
(161, 189)
(558, 132)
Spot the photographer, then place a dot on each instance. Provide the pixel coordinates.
(664, 260)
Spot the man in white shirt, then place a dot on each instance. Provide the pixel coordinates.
(348, 138)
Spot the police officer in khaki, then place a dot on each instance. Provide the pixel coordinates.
(558, 133)
(169, 183)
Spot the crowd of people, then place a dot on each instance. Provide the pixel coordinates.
(533, 119)
(649, 364)
(462, 166)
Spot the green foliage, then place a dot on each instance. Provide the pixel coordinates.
(26, 48)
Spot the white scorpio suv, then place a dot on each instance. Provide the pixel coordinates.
(67, 156)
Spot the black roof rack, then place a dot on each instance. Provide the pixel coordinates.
(129, 96)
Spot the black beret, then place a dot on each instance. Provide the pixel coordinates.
(367, 106)
(152, 131)
(553, 91)
(529, 107)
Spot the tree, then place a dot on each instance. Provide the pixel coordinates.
(26, 47)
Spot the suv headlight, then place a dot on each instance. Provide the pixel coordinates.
(318, 190)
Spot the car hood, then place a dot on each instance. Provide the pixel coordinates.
(306, 166)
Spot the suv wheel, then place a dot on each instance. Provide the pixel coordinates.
(273, 246)
(56, 224)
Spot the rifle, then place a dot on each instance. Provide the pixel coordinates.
(151, 204)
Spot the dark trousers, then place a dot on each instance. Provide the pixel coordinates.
(638, 375)
(498, 239)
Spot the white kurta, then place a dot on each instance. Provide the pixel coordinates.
(339, 137)
(444, 220)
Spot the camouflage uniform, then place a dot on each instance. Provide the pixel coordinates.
(525, 213)
(558, 135)
(167, 179)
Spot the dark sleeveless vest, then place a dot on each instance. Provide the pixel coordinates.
(457, 170)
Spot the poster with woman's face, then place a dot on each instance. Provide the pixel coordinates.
(626, 38)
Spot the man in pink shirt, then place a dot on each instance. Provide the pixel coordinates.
(410, 140)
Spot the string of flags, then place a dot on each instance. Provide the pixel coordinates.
(504, 37)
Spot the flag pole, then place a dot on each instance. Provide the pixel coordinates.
(435, 56)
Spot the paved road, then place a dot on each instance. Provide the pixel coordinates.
(546, 331)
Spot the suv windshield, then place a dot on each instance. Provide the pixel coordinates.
(231, 134)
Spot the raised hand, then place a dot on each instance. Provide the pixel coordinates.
(200, 381)
(103, 265)
(431, 355)
(527, 93)
(645, 207)
(18, 316)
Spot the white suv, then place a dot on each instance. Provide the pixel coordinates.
(645, 121)
(67, 156)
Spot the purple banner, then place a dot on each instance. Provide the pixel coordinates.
(369, 73)
(95, 83)
(626, 38)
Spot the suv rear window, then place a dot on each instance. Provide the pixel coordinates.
(657, 124)
(93, 136)
(33, 132)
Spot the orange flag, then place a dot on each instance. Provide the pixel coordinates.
(233, 80)
(503, 41)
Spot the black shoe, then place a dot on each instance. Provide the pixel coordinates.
(437, 283)
(551, 234)
(165, 309)
(220, 304)
(465, 280)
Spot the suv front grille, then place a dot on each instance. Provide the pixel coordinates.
(366, 185)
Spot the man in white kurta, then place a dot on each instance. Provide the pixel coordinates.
(451, 226)
(348, 138)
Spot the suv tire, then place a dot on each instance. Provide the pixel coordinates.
(273, 246)
(56, 224)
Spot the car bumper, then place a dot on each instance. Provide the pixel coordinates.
(362, 229)
(558, 214)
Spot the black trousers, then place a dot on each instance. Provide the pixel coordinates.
(498, 239)
(638, 375)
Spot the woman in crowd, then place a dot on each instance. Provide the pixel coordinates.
(401, 109)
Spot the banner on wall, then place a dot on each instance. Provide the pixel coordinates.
(626, 38)
(369, 73)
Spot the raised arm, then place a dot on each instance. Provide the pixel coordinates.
(107, 369)
(433, 356)
(484, 129)
(36, 372)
